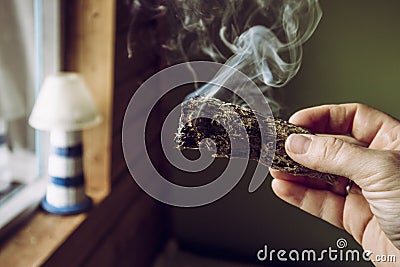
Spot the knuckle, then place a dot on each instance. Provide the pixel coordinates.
(361, 106)
(330, 150)
(333, 148)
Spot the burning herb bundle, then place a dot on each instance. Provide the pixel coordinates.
(198, 131)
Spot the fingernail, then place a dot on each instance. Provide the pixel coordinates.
(298, 143)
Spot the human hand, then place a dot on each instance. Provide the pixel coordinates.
(371, 210)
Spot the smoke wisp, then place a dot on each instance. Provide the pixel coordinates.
(261, 38)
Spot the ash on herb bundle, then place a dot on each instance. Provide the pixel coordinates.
(203, 118)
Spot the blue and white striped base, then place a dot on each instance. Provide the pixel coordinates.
(65, 192)
(67, 210)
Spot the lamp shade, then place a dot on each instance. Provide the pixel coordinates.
(64, 103)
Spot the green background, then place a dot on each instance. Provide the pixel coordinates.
(352, 57)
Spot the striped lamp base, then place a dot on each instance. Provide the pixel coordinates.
(65, 192)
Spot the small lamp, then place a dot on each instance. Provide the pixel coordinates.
(11, 108)
(64, 107)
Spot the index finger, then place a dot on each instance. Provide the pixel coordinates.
(361, 121)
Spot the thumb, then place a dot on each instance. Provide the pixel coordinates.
(332, 155)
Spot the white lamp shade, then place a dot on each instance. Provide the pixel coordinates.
(64, 103)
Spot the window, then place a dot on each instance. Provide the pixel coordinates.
(29, 50)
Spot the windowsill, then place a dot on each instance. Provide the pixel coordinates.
(34, 241)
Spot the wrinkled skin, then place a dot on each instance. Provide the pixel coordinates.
(369, 155)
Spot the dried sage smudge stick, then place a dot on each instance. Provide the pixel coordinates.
(203, 118)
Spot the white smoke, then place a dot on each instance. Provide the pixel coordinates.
(261, 38)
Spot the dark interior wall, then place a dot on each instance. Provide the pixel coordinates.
(131, 72)
(352, 57)
(143, 226)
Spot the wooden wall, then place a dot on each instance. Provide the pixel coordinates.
(88, 49)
